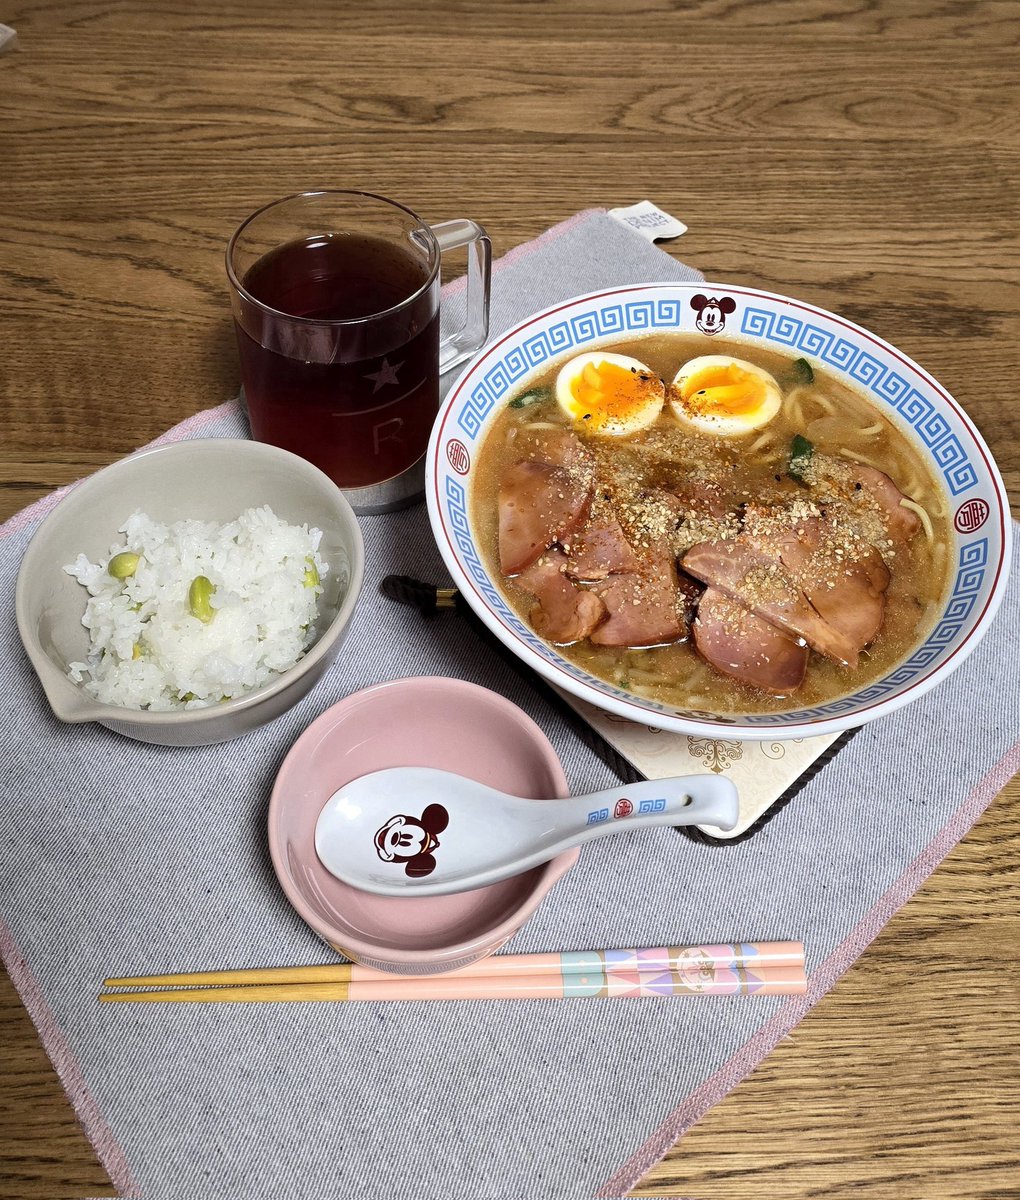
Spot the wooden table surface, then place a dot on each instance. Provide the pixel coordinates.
(859, 154)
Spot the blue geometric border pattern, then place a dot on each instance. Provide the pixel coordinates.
(882, 381)
(585, 327)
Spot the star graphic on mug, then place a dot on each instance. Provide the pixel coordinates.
(385, 374)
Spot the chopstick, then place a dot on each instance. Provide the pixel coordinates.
(733, 954)
(766, 968)
(717, 981)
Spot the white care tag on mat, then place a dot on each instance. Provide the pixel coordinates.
(8, 39)
(649, 220)
(762, 771)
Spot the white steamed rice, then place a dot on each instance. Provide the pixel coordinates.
(148, 651)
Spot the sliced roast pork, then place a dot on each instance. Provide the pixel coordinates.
(601, 549)
(902, 523)
(676, 520)
(761, 583)
(873, 499)
(645, 608)
(843, 577)
(539, 504)
(562, 613)
(743, 646)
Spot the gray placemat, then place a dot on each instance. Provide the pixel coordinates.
(121, 858)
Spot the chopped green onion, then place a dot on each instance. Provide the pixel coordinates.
(532, 396)
(800, 455)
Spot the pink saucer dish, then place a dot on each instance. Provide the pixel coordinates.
(419, 722)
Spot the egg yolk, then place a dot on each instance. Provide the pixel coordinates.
(729, 391)
(607, 392)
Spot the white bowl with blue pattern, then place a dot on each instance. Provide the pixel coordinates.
(909, 396)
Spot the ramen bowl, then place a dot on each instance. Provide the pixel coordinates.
(914, 403)
(211, 479)
(421, 722)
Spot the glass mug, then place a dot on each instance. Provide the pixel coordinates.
(335, 296)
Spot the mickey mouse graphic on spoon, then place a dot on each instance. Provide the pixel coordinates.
(411, 840)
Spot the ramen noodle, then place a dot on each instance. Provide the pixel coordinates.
(712, 525)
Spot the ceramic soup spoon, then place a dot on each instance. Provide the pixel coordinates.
(416, 831)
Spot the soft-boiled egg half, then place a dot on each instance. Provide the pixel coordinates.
(609, 395)
(724, 396)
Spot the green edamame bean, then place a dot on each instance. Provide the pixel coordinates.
(123, 565)
(198, 599)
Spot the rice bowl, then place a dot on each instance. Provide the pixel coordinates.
(210, 479)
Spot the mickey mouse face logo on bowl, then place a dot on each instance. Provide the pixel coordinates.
(712, 313)
(411, 840)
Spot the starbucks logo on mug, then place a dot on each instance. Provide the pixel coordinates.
(458, 456)
(971, 515)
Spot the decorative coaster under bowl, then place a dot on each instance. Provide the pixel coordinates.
(767, 774)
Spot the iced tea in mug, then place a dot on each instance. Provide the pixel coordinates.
(336, 308)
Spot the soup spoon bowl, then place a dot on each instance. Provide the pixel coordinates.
(418, 831)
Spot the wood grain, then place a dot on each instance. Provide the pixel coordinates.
(859, 154)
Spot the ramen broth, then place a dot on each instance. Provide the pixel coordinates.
(754, 469)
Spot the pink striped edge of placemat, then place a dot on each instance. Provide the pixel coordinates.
(526, 248)
(694, 1107)
(85, 1107)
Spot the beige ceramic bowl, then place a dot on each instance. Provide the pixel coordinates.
(214, 479)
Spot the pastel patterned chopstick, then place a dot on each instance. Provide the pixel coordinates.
(733, 955)
(705, 980)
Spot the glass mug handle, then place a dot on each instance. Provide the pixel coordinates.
(456, 347)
